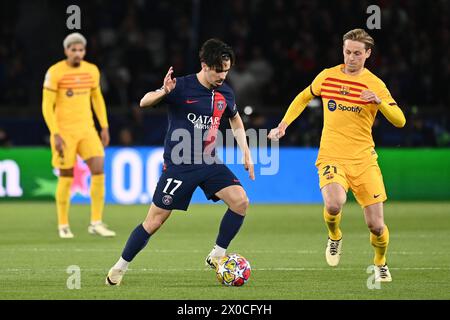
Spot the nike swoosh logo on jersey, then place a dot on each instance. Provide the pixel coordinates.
(191, 101)
(376, 195)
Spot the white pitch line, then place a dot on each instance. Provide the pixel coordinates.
(119, 249)
(209, 270)
(93, 250)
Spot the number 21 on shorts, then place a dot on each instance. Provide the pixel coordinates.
(328, 168)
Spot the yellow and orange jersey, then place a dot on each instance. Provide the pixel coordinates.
(74, 88)
(348, 120)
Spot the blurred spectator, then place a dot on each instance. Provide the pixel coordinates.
(126, 137)
(4, 139)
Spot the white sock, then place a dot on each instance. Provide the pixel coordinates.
(122, 264)
(218, 251)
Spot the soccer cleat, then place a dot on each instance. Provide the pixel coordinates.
(65, 233)
(382, 273)
(211, 262)
(101, 229)
(333, 252)
(114, 277)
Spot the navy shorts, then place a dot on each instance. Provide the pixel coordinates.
(178, 182)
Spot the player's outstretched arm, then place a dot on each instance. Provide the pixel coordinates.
(391, 111)
(239, 134)
(295, 109)
(153, 97)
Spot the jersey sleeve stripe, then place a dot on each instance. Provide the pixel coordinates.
(46, 88)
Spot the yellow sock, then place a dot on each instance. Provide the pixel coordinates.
(380, 244)
(332, 222)
(97, 197)
(63, 199)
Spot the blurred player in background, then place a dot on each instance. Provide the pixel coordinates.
(197, 103)
(69, 88)
(351, 97)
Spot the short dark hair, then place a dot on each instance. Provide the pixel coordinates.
(214, 52)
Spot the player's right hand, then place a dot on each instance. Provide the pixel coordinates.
(169, 83)
(277, 133)
(59, 145)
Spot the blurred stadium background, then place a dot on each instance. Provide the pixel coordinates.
(280, 47)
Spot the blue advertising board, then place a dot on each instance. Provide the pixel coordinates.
(283, 176)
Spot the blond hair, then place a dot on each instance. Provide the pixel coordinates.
(360, 35)
(74, 38)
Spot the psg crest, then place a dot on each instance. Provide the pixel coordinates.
(167, 200)
(220, 105)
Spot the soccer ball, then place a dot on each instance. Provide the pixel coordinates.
(233, 270)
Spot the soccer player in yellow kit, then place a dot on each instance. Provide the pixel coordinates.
(69, 88)
(351, 97)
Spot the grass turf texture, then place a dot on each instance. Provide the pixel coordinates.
(284, 244)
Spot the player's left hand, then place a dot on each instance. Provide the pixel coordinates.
(277, 133)
(104, 134)
(248, 165)
(370, 96)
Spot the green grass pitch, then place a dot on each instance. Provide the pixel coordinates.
(284, 244)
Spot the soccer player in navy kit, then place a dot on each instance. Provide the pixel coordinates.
(197, 102)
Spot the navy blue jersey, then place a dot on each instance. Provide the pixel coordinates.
(195, 111)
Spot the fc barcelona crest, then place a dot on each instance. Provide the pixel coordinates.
(344, 90)
(220, 105)
(69, 92)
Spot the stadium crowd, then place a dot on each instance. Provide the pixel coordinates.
(280, 46)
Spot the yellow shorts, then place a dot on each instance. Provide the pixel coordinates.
(365, 179)
(87, 145)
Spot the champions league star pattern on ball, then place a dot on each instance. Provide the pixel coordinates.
(233, 270)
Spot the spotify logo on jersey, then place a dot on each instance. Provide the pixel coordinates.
(331, 105)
